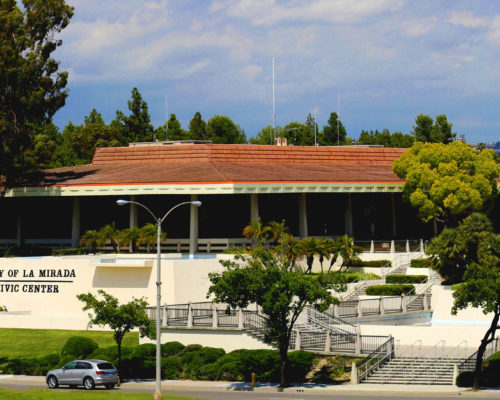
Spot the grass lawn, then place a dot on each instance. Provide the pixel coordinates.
(38, 342)
(42, 394)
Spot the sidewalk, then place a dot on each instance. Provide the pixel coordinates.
(148, 385)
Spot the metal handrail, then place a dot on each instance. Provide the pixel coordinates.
(488, 352)
(333, 322)
(457, 348)
(381, 350)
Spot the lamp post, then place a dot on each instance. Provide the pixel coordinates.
(159, 221)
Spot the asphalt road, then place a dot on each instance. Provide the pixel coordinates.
(289, 394)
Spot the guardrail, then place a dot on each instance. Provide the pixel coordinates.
(321, 333)
(378, 357)
(469, 364)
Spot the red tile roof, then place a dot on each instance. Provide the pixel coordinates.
(221, 163)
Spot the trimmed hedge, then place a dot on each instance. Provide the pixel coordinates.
(421, 263)
(78, 251)
(371, 264)
(79, 347)
(353, 276)
(401, 279)
(178, 362)
(389, 290)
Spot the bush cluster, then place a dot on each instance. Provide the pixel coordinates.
(489, 375)
(78, 251)
(371, 264)
(389, 290)
(421, 263)
(353, 276)
(178, 361)
(27, 250)
(405, 279)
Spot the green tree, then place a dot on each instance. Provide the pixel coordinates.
(135, 127)
(121, 318)
(31, 88)
(174, 131)
(475, 250)
(131, 236)
(447, 181)
(256, 231)
(266, 135)
(401, 140)
(79, 142)
(427, 130)
(149, 235)
(266, 279)
(92, 239)
(311, 247)
(111, 234)
(330, 135)
(347, 249)
(455, 248)
(197, 127)
(296, 134)
(221, 129)
(422, 129)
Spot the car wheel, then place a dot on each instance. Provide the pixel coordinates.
(52, 382)
(109, 386)
(88, 383)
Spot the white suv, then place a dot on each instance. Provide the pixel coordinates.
(89, 373)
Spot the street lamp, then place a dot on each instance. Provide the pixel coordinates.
(159, 221)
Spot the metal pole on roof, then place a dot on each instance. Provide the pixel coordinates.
(338, 120)
(274, 109)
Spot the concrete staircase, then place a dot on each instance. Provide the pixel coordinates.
(414, 370)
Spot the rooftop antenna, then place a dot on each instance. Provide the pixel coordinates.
(315, 127)
(274, 108)
(338, 120)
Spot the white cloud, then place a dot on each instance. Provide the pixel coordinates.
(251, 71)
(267, 12)
(416, 28)
(467, 19)
(494, 34)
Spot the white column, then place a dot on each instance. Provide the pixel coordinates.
(298, 340)
(19, 232)
(348, 216)
(193, 227)
(393, 247)
(394, 230)
(254, 207)
(302, 216)
(190, 316)
(133, 213)
(75, 223)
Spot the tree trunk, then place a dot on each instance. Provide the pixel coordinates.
(488, 338)
(283, 366)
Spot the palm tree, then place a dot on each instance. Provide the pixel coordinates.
(256, 231)
(276, 230)
(333, 247)
(148, 235)
(109, 232)
(91, 239)
(311, 247)
(131, 236)
(290, 248)
(348, 250)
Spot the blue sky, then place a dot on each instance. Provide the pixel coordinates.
(389, 60)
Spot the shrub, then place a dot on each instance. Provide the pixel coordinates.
(144, 350)
(353, 276)
(371, 264)
(110, 353)
(300, 364)
(3, 308)
(465, 379)
(79, 346)
(389, 290)
(421, 263)
(27, 250)
(171, 367)
(171, 349)
(78, 251)
(405, 278)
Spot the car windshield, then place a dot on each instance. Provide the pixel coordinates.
(105, 366)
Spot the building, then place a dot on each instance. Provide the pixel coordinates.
(318, 191)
